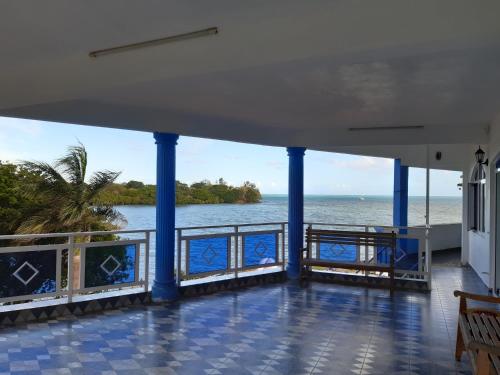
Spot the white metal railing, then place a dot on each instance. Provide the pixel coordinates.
(419, 237)
(230, 251)
(67, 264)
(70, 263)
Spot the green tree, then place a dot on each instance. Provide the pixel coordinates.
(132, 184)
(14, 205)
(250, 193)
(203, 192)
(69, 202)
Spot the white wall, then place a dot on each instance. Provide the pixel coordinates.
(481, 245)
(442, 236)
(446, 236)
(479, 242)
(493, 155)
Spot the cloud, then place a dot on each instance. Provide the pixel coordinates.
(193, 150)
(362, 163)
(9, 156)
(30, 128)
(276, 164)
(15, 135)
(194, 146)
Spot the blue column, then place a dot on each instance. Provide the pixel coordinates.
(400, 204)
(295, 209)
(164, 287)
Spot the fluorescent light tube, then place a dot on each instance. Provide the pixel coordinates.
(155, 42)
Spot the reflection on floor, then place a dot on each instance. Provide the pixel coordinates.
(446, 258)
(274, 329)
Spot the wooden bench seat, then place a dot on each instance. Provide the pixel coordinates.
(356, 239)
(357, 266)
(478, 333)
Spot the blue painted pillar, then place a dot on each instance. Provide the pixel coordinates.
(164, 287)
(295, 209)
(400, 203)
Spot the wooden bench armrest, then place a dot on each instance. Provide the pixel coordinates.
(480, 310)
(476, 297)
(490, 349)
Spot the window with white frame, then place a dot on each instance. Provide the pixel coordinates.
(477, 193)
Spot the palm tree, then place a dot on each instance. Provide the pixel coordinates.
(68, 202)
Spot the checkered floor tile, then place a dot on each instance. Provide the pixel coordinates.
(273, 329)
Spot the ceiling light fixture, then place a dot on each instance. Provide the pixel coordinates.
(371, 128)
(155, 42)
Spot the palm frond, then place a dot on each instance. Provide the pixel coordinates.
(43, 169)
(109, 214)
(74, 164)
(36, 224)
(51, 184)
(99, 181)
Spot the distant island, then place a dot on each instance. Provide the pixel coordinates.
(203, 192)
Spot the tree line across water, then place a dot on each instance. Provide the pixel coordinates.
(37, 197)
(203, 192)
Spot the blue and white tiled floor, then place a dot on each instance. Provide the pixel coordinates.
(274, 329)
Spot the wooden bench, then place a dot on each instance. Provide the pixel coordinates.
(348, 238)
(478, 333)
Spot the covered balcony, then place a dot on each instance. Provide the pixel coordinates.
(417, 83)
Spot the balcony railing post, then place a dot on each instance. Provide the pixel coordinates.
(146, 262)
(367, 255)
(71, 250)
(179, 257)
(58, 270)
(428, 255)
(236, 251)
(283, 246)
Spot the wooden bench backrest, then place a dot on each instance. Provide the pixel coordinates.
(351, 237)
(357, 238)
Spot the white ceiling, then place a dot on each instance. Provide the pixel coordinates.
(279, 72)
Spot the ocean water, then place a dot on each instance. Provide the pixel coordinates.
(372, 210)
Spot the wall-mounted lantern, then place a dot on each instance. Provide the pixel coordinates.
(480, 156)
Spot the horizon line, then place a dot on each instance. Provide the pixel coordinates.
(364, 195)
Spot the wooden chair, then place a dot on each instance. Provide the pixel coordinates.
(479, 334)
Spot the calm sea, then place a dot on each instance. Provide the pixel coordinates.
(374, 210)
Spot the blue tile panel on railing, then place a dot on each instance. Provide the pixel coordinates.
(110, 265)
(406, 254)
(337, 252)
(27, 273)
(260, 249)
(208, 254)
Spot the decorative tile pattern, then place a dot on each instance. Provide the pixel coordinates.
(114, 264)
(232, 284)
(208, 254)
(22, 274)
(108, 266)
(368, 281)
(271, 329)
(22, 269)
(63, 311)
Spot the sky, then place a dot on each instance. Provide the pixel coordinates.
(134, 155)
